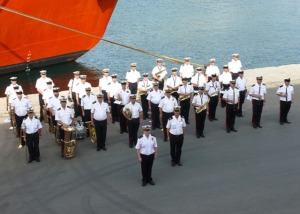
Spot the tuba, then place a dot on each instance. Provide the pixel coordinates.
(128, 113)
(70, 144)
(183, 97)
(92, 131)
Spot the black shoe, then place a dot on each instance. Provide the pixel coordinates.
(30, 160)
(121, 132)
(104, 149)
(151, 183)
(165, 140)
(187, 122)
(228, 130)
(98, 149)
(113, 121)
(201, 135)
(153, 128)
(241, 115)
(234, 130)
(144, 183)
(254, 126)
(281, 123)
(38, 160)
(210, 119)
(179, 164)
(172, 164)
(259, 126)
(215, 119)
(198, 136)
(62, 155)
(130, 146)
(288, 122)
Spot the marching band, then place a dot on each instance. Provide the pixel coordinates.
(167, 106)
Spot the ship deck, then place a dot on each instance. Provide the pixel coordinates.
(251, 171)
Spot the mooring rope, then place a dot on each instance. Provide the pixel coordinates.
(97, 37)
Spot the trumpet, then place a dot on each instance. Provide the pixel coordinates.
(214, 93)
(92, 132)
(157, 75)
(183, 97)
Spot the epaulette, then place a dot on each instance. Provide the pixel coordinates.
(180, 85)
(45, 89)
(68, 107)
(253, 85)
(50, 98)
(151, 90)
(83, 96)
(280, 86)
(291, 85)
(170, 76)
(108, 83)
(36, 117)
(153, 135)
(236, 87)
(94, 102)
(14, 98)
(264, 84)
(141, 136)
(195, 93)
(58, 109)
(25, 97)
(77, 83)
(162, 97)
(189, 83)
(170, 118)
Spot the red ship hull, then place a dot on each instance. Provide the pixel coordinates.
(22, 38)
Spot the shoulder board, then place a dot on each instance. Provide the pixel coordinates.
(68, 107)
(180, 85)
(94, 102)
(151, 90)
(152, 135)
(264, 84)
(58, 109)
(195, 94)
(14, 98)
(108, 84)
(236, 87)
(253, 85)
(291, 85)
(83, 96)
(25, 97)
(127, 91)
(170, 118)
(25, 118)
(162, 97)
(45, 89)
(189, 83)
(280, 86)
(77, 84)
(50, 97)
(35, 117)
(141, 136)
(170, 76)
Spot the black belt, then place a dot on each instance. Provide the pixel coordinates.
(32, 133)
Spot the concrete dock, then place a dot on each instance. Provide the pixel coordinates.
(251, 171)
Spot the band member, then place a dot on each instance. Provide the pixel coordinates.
(64, 116)
(104, 83)
(185, 92)
(72, 93)
(86, 106)
(100, 118)
(132, 78)
(173, 82)
(122, 99)
(186, 70)
(224, 80)
(134, 118)
(257, 93)
(166, 110)
(54, 104)
(47, 93)
(80, 91)
(200, 102)
(232, 98)
(176, 127)
(144, 87)
(159, 72)
(212, 90)
(212, 69)
(241, 83)
(41, 85)
(32, 130)
(286, 98)
(146, 149)
(19, 107)
(10, 90)
(235, 66)
(154, 97)
(199, 79)
(111, 92)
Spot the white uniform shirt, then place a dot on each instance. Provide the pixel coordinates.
(113, 88)
(200, 99)
(289, 90)
(133, 76)
(198, 80)
(168, 104)
(21, 106)
(54, 103)
(225, 78)
(104, 82)
(145, 85)
(80, 88)
(258, 89)
(185, 89)
(135, 108)
(212, 88)
(155, 96)
(212, 69)
(186, 71)
(235, 66)
(173, 81)
(176, 125)
(41, 83)
(241, 83)
(73, 82)
(65, 115)
(146, 145)
(12, 97)
(100, 110)
(125, 95)
(157, 69)
(47, 93)
(232, 94)
(10, 89)
(87, 101)
(31, 125)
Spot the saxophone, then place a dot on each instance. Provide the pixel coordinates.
(92, 132)
(201, 107)
(183, 97)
